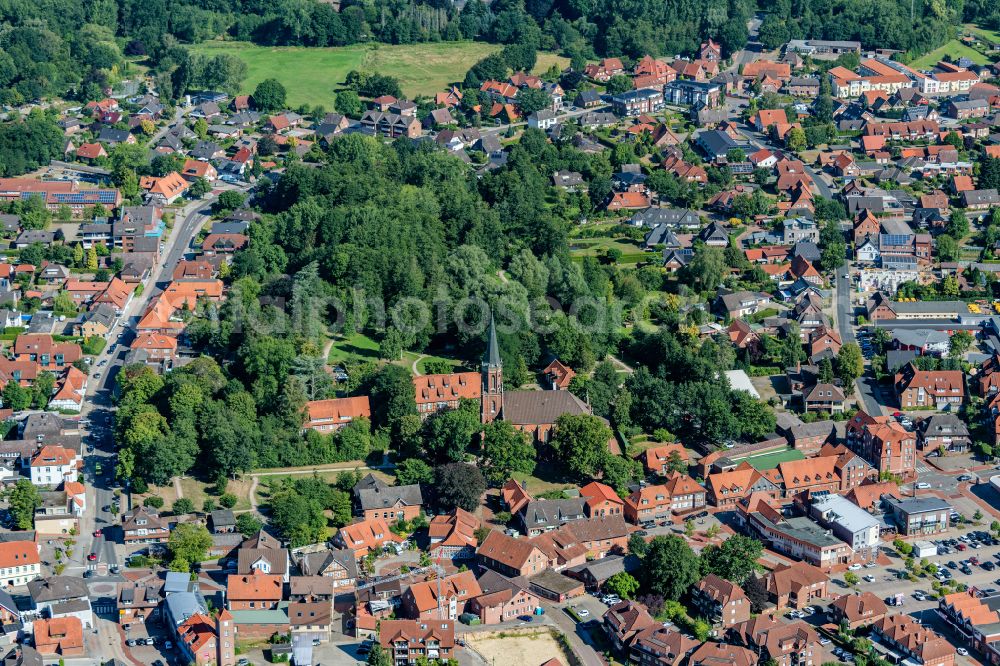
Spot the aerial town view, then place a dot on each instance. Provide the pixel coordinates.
(500, 332)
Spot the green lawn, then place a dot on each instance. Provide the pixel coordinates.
(312, 74)
(358, 347)
(589, 247)
(955, 49)
(771, 460)
(983, 33)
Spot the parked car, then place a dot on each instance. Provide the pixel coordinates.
(962, 651)
(923, 485)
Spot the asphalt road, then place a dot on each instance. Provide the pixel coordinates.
(97, 415)
(867, 388)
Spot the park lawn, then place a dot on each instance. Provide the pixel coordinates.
(771, 460)
(311, 75)
(544, 479)
(456, 364)
(953, 48)
(590, 247)
(983, 33)
(355, 348)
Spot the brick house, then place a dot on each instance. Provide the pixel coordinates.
(680, 494)
(365, 536)
(722, 602)
(255, 591)
(925, 388)
(407, 641)
(141, 525)
(427, 600)
(917, 642)
(375, 498)
(501, 599)
(786, 643)
(883, 442)
(601, 500)
(511, 557)
(657, 460)
(796, 585)
(333, 414)
(623, 621)
(860, 609)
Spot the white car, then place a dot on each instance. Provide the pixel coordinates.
(583, 612)
(923, 485)
(855, 567)
(824, 641)
(962, 651)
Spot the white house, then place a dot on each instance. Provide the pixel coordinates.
(542, 120)
(19, 562)
(868, 252)
(54, 465)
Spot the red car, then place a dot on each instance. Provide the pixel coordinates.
(92, 557)
(97, 533)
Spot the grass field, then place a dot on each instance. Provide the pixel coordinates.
(955, 49)
(358, 347)
(771, 460)
(312, 74)
(631, 254)
(983, 33)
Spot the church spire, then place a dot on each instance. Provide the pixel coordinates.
(492, 355)
(492, 374)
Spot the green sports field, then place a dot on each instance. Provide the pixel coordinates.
(311, 75)
(953, 48)
(771, 460)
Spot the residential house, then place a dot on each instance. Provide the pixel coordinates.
(860, 609)
(444, 597)
(785, 643)
(501, 599)
(796, 585)
(722, 602)
(330, 415)
(165, 190)
(376, 499)
(410, 641)
(883, 442)
(453, 535)
(661, 460)
(623, 621)
(661, 646)
(256, 590)
(914, 641)
(19, 562)
(365, 536)
(539, 516)
(601, 500)
(945, 431)
(941, 389)
(59, 637)
(680, 494)
(338, 567)
(511, 557)
(143, 525)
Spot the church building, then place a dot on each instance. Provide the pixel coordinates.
(533, 412)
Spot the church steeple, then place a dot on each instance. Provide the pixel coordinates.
(492, 373)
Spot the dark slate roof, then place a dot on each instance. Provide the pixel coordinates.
(388, 496)
(222, 518)
(552, 513)
(540, 407)
(57, 588)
